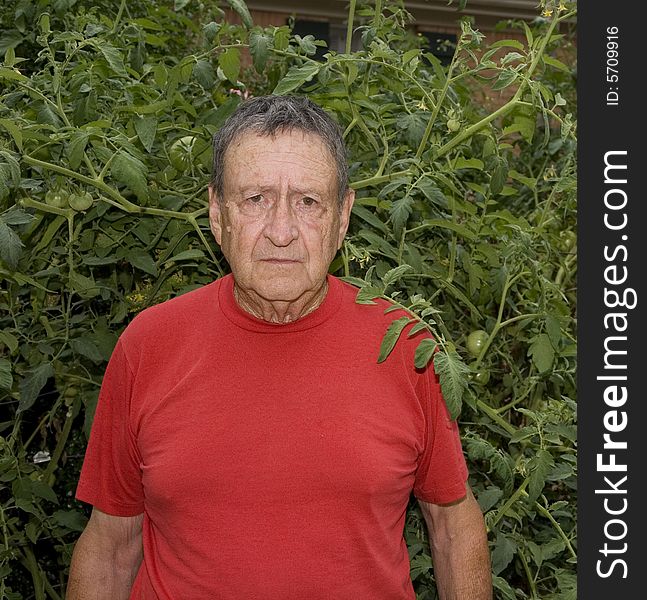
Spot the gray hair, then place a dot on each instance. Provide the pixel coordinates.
(268, 115)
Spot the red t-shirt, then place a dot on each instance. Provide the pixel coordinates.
(270, 461)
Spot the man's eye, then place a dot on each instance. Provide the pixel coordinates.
(255, 199)
(309, 201)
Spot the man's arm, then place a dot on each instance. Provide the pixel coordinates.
(459, 547)
(106, 558)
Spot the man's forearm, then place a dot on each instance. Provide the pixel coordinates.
(460, 551)
(462, 568)
(97, 572)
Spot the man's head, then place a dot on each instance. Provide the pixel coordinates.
(279, 198)
(271, 115)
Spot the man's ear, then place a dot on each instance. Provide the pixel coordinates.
(344, 217)
(215, 216)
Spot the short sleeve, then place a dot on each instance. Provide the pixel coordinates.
(111, 474)
(442, 472)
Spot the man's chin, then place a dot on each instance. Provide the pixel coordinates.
(282, 288)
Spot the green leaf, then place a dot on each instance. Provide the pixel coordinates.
(10, 245)
(10, 39)
(281, 38)
(414, 126)
(9, 340)
(307, 44)
(446, 224)
(369, 217)
(191, 254)
(144, 109)
(76, 148)
(240, 8)
(508, 43)
(542, 352)
(258, 46)
(432, 192)
(14, 131)
(540, 466)
(552, 548)
(502, 586)
(33, 383)
(84, 286)
(72, 519)
(26, 506)
(204, 74)
(511, 57)
(527, 181)
(229, 62)
(210, 31)
(10, 168)
(146, 128)
(554, 330)
(32, 529)
(17, 216)
(131, 172)
(506, 77)
(420, 326)
(86, 347)
(4, 180)
(391, 337)
(499, 175)
(424, 352)
(489, 497)
(393, 275)
(523, 434)
(180, 4)
(468, 163)
(393, 185)
(367, 294)
(400, 211)
(296, 77)
(113, 57)
(525, 124)
(12, 75)
(452, 372)
(6, 378)
(42, 490)
(142, 260)
(504, 550)
(553, 62)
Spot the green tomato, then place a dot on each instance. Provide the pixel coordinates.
(180, 153)
(453, 125)
(475, 341)
(567, 239)
(480, 375)
(56, 199)
(189, 150)
(80, 202)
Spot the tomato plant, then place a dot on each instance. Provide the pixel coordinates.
(465, 217)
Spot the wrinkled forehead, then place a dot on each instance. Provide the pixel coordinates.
(293, 153)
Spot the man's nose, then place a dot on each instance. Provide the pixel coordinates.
(281, 227)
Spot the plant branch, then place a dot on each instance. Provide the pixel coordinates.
(349, 29)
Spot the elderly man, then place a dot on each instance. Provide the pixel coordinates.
(246, 443)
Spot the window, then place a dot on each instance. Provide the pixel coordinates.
(441, 45)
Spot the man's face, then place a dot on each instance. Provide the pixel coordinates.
(279, 224)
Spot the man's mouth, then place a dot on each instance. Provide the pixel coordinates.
(281, 261)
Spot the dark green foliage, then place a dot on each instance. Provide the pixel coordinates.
(464, 197)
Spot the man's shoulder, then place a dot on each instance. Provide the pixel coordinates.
(378, 314)
(178, 315)
(378, 311)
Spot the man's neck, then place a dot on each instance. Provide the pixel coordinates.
(281, 312)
